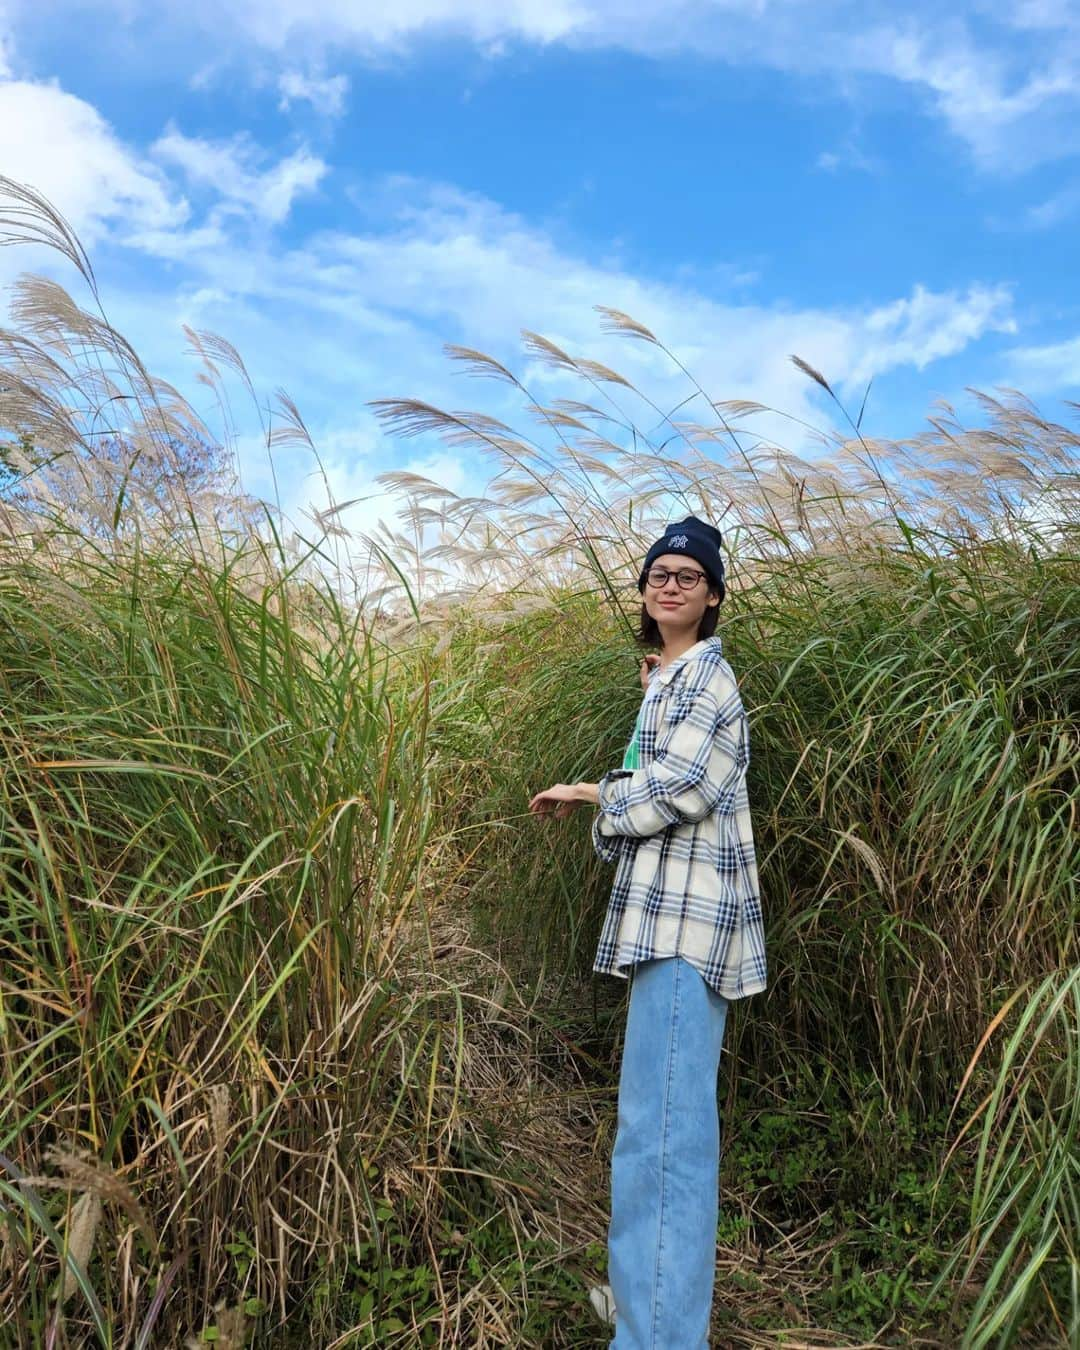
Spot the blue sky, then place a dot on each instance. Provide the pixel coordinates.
(339, 188)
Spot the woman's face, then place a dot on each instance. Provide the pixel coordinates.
(674, 609)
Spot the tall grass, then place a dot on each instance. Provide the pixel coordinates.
(297, 1030)
(211, 828)
(906, 628)
(1025, 1200)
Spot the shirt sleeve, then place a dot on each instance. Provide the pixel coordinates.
(701, 756)
(608, 847)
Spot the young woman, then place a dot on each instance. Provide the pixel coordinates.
(684, 925)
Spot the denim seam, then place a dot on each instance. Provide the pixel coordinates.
(673, 1041)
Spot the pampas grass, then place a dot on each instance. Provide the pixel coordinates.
(296, 997)
(85, 1216)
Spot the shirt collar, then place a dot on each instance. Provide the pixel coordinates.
(668, 674)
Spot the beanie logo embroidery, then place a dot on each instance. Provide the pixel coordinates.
(677, 541)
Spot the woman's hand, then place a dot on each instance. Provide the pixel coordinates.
(560, 800)
(647, 663)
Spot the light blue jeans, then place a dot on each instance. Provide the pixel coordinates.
(665, 1163)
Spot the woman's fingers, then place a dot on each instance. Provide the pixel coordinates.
(549, 808)
(552, 801)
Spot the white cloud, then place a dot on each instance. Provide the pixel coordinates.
(357, 313)
(326, 94)
(927, 326)
(1036, 14)
(361, 312)
(1054, 210)
(277, 23)
(1005, 78)
(1048, 369)
(346, 482)
(62, 146)
(352, 315)
(369, 312)
(338, 490)
(850, 157)
(461, 260)
(1011, 111)
(230, 168)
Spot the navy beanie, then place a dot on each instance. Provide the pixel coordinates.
(698, 540)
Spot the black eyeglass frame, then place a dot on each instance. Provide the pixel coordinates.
(683, 571)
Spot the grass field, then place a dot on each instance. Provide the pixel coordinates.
(300, 1042)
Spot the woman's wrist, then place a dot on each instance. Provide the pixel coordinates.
(589, 792)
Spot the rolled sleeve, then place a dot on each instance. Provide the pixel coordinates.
(607, 848)
(700, 759)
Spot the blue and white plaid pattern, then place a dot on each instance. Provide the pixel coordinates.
(679, 829)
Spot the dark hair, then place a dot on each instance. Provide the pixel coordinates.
(648, 634)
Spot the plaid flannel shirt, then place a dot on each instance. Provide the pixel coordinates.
(678, 828)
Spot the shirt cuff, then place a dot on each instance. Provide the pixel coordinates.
(607, 782)
(608, 844)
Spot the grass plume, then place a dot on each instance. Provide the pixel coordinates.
(296, 1024)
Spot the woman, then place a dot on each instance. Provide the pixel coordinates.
(684, 925)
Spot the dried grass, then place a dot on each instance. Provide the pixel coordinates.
(566, 516)
(82, 1228)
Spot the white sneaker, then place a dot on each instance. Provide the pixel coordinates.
(603, 1302)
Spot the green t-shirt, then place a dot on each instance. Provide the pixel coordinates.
(631, 759)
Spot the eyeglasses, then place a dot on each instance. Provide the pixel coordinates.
(686, 577)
